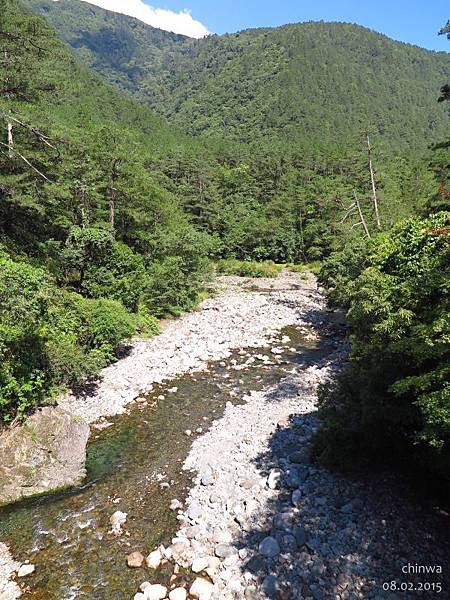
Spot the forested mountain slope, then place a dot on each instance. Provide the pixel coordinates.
(93, 239)
(313, 83)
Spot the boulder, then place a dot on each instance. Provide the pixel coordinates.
(202, 589)
(46, 453)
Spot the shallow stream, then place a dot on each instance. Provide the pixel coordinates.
(135, 466)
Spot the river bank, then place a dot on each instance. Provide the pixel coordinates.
(240, 317)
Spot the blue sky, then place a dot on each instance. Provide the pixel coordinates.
(413, 21)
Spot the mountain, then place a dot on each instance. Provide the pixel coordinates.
(310, 83)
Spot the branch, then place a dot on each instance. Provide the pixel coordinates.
(26, 161)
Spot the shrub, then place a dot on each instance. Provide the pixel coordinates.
(243, 268)
(395, 396)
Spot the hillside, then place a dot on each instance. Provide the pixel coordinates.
(310, 83)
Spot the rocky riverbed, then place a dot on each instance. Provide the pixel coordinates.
(238, 317)
(259, 519)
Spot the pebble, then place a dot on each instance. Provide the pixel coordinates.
(155, 592)
(274, 478)
(135, 560)
(178, 594)
(200, 564)
(154, 559)
(201, 589)
(25, 570)
(269, 547)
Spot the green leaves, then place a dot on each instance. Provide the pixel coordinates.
(397, 387)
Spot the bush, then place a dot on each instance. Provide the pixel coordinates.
(25, 293)
(243, 268)
(82, 335)
(175, 279)
(394, 399)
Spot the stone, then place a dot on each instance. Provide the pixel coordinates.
(300, 535)
(175, 504)
(154, 559)
(200, 564)
(25, 570)
(271, 586)
(283, 521)
(295, 476)
(178, 594)
(269, 547)
(139, 596)
(296, 497)
(47, 452)
(192, 532)
(118, 519)
(274, 478)
(135, 560)
(225, 550)
(297, 457)
(155, 592)
(194, 512)
(201, 589)
(207, 477)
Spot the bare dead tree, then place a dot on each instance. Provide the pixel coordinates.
(374, 187)
(355, 207)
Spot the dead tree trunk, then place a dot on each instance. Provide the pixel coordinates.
(10, 139)
(374, 187)
(361, 216)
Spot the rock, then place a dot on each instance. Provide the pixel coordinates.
(139, 596)
(274, 478)
(25, 570)
(135, 560)
(194, 512)
(192, 532)
(295, 476)
(269, 547)
(175, 504)
(178, 594)
(155, 592)
(154, 559)
(207, 477)
(296, 497)
(284, 521)
(202, 589)
(297, 457)
(271, 586)
(347, 508)
(188, 432)
(276, 351)
(300, 535)
(200, 564)
(46, 453)
(118, 519)
(225, 550)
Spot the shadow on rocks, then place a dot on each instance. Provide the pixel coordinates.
(325, 536)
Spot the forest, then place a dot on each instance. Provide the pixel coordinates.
(122, 189)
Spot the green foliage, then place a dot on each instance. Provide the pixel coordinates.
(244, 268)
(266, 83)
(173, 283)
(394, 397)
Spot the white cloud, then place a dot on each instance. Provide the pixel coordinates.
(181, 22)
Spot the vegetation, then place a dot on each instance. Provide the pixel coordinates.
(110, 217)
(93, 242)
(243, 268)
(314, 83)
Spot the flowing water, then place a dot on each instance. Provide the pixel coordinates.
(129, 466)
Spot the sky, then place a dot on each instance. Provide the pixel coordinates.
(413, 21)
